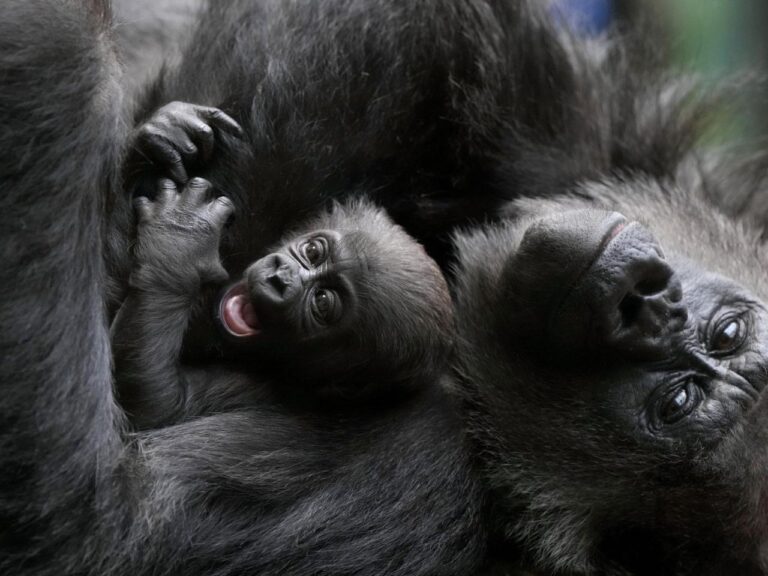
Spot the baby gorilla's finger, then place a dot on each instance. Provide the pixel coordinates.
(143, 208)
(221, 209)
(155, 144)
(166, 191)
(195, 192)
(220, 120)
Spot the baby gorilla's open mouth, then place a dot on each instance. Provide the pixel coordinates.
(236, 312)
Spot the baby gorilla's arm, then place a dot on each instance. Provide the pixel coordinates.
(176, 252)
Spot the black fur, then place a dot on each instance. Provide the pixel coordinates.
(266, 490)
(148, 34)
(392, 335)
(333, 102)
(584, 480)
(442, 111)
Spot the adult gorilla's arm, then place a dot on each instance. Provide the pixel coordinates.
(149, 33)
(265, 491)
(59, 428)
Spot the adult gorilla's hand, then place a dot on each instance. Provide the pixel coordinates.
(176, 137)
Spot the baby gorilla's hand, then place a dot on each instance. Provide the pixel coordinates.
(177, 245)
(178, 136)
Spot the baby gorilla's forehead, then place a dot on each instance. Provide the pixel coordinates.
(354, 252)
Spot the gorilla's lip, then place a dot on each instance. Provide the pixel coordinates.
(236, 312)
(617, 229)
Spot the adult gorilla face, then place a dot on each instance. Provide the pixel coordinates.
(614, 357)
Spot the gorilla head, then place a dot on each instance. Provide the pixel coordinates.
(613, 353)
(350, 298)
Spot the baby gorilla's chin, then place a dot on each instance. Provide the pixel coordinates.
(236, 312)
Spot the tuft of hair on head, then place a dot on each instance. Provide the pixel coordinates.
(406, 324)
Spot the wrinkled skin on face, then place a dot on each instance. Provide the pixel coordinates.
(614, 355)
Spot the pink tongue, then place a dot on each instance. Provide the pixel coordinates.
(239, 316)
(249, 315)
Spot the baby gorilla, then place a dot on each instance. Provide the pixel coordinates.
(346, 309)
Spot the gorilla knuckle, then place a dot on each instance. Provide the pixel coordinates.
(224, 204)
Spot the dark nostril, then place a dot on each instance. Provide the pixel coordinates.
(651, 286)
(656, 281)
(654, 278)
(282, 277)
(653, 304)
(285, 274)
(629, 308)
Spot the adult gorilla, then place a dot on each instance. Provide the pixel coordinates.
(655, 437)
(426, 111)
(264, 490)
(613, 349)
(628, 426)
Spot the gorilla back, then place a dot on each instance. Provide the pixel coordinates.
(264, 491)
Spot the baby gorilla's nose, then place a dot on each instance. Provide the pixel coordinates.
(283, 274)
(274, 282)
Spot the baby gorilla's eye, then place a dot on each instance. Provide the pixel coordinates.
(325, 306)
(728, 336)
(680, 402)
(314, 251)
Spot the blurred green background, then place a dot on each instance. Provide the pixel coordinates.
(720, 39)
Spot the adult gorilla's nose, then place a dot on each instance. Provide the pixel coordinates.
(629, 300)
(555, 253)
(587, 281)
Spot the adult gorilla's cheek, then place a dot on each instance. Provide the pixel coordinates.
(554, 255)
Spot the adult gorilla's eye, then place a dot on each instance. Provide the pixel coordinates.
(314, 251)
(728, 336)
(325, 306)
(680, 402)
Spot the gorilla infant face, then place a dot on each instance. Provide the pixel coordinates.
(616, 384)
(352, 299)
(306, 289)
